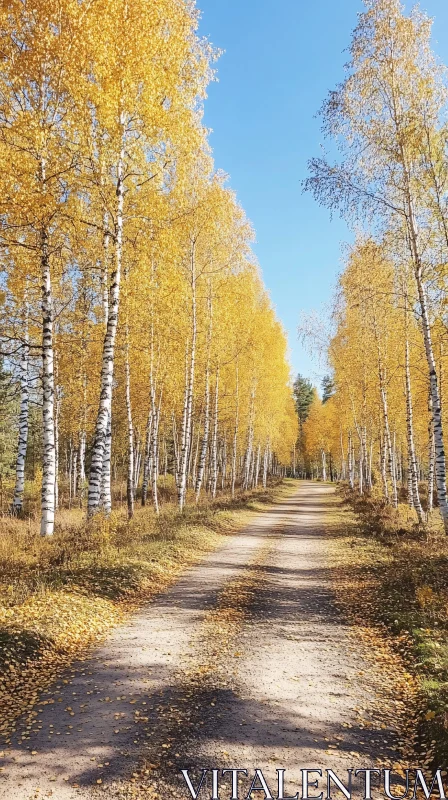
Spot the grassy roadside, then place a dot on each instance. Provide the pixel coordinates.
(59, 597)
(392, 579)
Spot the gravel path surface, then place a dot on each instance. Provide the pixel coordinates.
(244, 663)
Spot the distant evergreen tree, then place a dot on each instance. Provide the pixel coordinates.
(328, 388)
(303, 395)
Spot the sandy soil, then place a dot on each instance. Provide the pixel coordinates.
(244, 663)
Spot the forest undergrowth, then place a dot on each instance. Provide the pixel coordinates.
(391, 580)
(58, 596)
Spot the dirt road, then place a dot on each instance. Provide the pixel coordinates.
(244, 663)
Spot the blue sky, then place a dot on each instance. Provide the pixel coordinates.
(281, 58)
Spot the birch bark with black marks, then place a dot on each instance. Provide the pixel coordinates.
(70, 471)
(130, 455)
(181, 447)
(147, 466)
(137, 460)
(351, 466)
(387, 435)
(191, 451)
(154, 428)
(431, 459)
(361, 468)
(106, 492)
(265, 466)
(103, 420)
(250, 481)
(74, 490)
(412, 460)
(194, 475)
(204, 445)
(324, 465)
(224, 462)
(440, 461)
(81, 466)
(250, 438)
(57, 413)
(205, 435)
(257, 467)
(383, 461)
(214, 442)
(19, 488)
(48, 394)
(147, 458)
(155, 452)
(106, 478)
(189, 386)
(175, 448)
(235, 434)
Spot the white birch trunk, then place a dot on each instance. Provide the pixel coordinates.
(214, 443)
(432, 454)
(194, 475)
(412, 461)
(130, 469)
(154, 430)
(410, 492)
(224, 462)
(57, 412)
(103, 419)
(188, 402)
(105, 265)
(265, 466)
(191, 451)
(431, 460)
(387, 438)
(106, 494)
(49, 449)
(235, 437)
(204, 445)
(351, 471)
(361, 468)
(383, 460)
(250, 480)
(250, 437)
(147, 458)
(389, 449)
(440, 462)
(155, 451)
(324, 465)
(257, 467)
(81, 466)
(19, 488)
(74, 490)
(183, 442)
(175, 448)
(137, 460)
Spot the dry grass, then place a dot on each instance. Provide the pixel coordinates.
(395, 576)
(58, 596)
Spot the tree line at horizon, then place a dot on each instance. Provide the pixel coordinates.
(137, 338)
(386, 424)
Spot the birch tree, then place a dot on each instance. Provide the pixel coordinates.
(381, 116)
